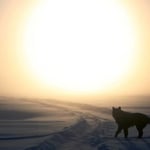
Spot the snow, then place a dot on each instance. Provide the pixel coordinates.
(32, 124)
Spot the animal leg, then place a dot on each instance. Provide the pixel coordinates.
(125, 132)
(140, 130)
(140, 133)
(118, 131)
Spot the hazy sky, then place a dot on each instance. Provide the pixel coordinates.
(16, 79)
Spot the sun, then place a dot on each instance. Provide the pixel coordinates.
(79, 46)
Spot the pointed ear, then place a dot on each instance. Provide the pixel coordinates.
(119, 108)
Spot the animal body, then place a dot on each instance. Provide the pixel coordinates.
(125, 120)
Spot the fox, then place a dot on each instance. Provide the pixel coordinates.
(125, 120)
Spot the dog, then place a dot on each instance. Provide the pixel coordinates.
(125, 120)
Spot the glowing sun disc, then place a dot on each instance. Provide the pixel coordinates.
(81, 45)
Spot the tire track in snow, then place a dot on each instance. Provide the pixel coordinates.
(79, 135)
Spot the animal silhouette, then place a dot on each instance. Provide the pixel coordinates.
(127, 119)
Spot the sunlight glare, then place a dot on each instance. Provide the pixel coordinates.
(80, 45)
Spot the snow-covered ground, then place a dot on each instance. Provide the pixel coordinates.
(29, 124)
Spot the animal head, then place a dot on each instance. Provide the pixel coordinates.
(116, 111)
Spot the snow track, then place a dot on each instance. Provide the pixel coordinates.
(91, 133)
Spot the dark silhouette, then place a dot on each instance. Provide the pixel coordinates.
(128, 119)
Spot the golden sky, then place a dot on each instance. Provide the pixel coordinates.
(17, 80)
